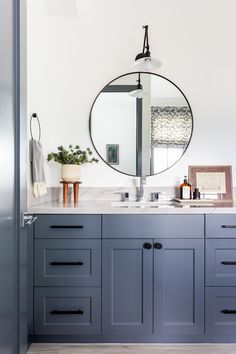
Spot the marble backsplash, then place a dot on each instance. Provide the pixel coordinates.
(102, 193)
(105, 193)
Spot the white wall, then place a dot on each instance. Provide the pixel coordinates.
(70, 59)
(114, 122)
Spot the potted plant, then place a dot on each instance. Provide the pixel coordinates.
(71, 159)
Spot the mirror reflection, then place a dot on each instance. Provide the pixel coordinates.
(141, 124)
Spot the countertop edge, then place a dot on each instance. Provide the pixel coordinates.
(134, 211)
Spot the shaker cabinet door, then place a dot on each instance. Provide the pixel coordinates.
(127, 286)
(178, 287)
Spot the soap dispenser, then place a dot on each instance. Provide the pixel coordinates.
(185, 189)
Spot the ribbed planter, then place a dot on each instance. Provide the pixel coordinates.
(70, 173)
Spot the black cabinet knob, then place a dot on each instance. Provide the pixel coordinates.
(147, 245)
(157, 246)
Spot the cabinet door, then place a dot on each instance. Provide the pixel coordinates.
(127, 286)
(178, 287)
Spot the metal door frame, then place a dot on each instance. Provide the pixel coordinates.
(20, 114)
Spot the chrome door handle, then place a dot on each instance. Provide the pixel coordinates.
(28, 219)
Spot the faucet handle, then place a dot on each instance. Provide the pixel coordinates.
(125, 196)
(155, 196)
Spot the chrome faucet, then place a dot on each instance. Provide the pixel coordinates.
(140, 191)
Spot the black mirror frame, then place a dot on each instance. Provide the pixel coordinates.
(90, 121)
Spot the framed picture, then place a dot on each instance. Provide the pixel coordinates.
(112, 155)
(214, 182)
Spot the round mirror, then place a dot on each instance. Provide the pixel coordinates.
(141, 124)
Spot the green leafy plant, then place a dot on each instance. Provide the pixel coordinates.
(72, 156)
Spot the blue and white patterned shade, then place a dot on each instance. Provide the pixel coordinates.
(171, 127)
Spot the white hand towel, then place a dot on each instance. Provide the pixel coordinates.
(37, 169)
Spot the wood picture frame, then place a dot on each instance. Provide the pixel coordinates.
(214, 182)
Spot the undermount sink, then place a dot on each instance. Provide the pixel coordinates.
(134, 204)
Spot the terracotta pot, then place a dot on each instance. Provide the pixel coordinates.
(70, 173)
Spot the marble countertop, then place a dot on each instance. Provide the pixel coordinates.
(108, 207)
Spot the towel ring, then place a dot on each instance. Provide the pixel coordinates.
(34, 115)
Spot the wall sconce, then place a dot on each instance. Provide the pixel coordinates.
(139, 92)
(144, 61)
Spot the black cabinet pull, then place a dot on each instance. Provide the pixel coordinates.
(66, 263)
(229, 262)
(157, 246)
(66, 227)
(67, 312)
(229, 312)
(147, 246)
(228, 226)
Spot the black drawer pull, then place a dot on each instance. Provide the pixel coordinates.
(147, 246)
(66, 263)
(229, 312)
(67, 312)
(228, 262)
(66, 227)
(228, 226)
(157, 246)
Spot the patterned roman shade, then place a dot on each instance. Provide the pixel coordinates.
(170, 127)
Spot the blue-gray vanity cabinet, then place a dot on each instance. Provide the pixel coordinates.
(153, 226)
(179, 287)
(68, 226)
(152, 280)
(67, 311)
(221, 311)
(67, 262)
(127, 287)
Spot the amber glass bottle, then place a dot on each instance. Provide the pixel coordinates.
(185, 189)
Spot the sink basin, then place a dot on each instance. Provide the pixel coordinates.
(159, 204)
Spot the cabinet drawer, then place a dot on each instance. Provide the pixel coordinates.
(221, 262)
(68, 226)
(60, 262)
(71, 311)
(221, 226)
(141, 226)
(221, 311)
